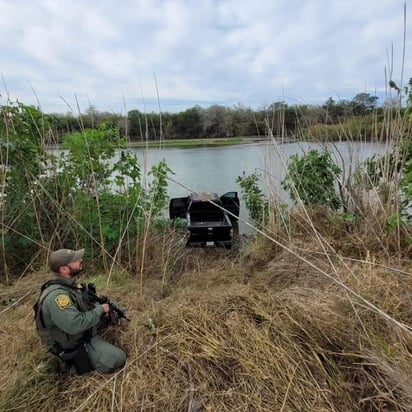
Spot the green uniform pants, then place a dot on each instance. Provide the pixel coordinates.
(104, 356)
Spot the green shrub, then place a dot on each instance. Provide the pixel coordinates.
(255, 200)
(353, 128)
(312, 178)
(22, 160)
(87, 196)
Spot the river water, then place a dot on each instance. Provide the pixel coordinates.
(216, 169)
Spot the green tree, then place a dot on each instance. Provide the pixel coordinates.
(215, 122)
(188, 124)
(136, 124)
(243, 121)
(336, 111)
(363, 103)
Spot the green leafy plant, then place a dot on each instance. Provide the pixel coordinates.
(394, 221)
(312, 178)
(157, 194)
(397, 222)
(349, 218)
(255, 200)
(22, 161)
(91, 194)
(89, 153)
(109, 197)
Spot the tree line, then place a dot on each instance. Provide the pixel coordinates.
(217, 121)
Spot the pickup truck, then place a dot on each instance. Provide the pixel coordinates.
(206, 223)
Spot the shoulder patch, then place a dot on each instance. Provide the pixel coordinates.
(62, 301)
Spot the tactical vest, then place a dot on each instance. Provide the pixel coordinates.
(55, 339)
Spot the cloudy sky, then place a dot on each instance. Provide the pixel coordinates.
(168, 55)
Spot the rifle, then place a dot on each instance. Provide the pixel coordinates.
(115, 312)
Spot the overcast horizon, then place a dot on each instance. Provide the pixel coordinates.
(157, 55)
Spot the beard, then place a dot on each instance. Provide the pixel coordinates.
(75, 272)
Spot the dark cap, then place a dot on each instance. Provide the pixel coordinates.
(63, 257)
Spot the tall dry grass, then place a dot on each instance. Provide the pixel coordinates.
(313, 315)
(265, 333)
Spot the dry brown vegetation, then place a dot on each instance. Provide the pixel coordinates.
(313, 314)
(265, 331)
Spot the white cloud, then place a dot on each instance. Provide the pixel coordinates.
(210, 51)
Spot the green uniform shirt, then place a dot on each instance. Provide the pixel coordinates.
(62, 309)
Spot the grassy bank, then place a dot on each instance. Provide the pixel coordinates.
(264, 332)
(312, 314)
(194, 143)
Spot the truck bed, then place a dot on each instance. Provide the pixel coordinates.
(208, 219)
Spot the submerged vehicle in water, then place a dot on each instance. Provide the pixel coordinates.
(210, 219)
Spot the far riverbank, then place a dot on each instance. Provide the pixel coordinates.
(206, 142)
